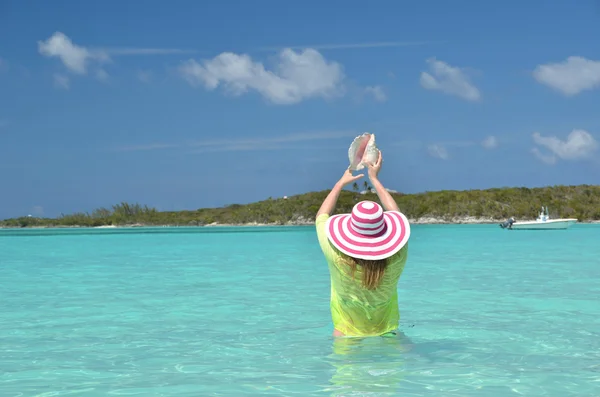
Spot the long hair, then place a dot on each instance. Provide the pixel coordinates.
(372, 270)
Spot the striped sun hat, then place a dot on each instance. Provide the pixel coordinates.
(368, 232)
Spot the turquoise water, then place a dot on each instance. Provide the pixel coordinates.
(244, 312)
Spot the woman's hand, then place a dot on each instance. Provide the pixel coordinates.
(348, 178)
(375, 168)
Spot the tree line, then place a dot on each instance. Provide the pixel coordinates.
(581, 202)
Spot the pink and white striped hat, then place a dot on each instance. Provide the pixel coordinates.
(368, 232)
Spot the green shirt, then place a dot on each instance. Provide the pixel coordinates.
(355, 310)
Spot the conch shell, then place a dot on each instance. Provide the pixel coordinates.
(362, 151)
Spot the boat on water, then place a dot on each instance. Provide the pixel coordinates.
(543, 222)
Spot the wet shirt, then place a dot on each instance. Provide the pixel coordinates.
(355, 310)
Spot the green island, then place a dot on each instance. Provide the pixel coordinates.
(447, 206)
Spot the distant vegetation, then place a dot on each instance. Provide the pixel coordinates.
(581, 202)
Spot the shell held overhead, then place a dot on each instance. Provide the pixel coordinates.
(362, 150)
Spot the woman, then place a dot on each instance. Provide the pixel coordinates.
(366, 252)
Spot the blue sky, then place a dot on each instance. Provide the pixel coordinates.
(189, 104)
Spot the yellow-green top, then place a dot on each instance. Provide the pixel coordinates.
(355, 310)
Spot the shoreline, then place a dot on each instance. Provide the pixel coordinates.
(428, 220)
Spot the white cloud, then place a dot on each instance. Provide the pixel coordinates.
(150, 146)
(75, 58)
(78, 59)
(450, 80)
(146, 51)
(377, 93)
(351, 45)
(271, 143)
(438, 151)
(579, 144)
(247, 144)
(490, 142)
(62, 81)
(296, 77)
(571, 77)
(546, 158)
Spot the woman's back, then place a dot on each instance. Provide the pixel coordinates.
(356, 309)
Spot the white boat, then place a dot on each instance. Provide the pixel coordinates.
(543, 222)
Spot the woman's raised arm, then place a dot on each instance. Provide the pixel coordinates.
(330, 201)
(387, 201)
